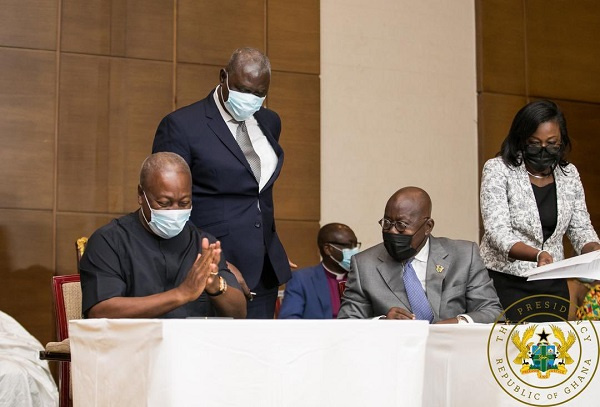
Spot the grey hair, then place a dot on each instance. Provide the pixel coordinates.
(159, 162)
(246, 54)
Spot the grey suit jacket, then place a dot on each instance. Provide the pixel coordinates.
(457, 282)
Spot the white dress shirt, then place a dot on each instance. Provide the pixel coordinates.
(419, 263)
(268, 158)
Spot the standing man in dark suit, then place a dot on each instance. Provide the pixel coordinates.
(314, 292)
(231, 145)
(413, 275)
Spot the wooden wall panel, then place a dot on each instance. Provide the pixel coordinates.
(300, 241)
(564, 60)
(296, 98)
(560, 51)
(69, 228)
(109, 112)
(501, 57)
(130, 28)
(83, 133)
(496, 113)
(28, 23)
(26, 267)
(116, 81)
(27, 108)
(194, 82)
(293, 35)
(208, 31)
(141, 94)
(583, 123)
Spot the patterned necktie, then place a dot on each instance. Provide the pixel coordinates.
(243, 139)
(416, 295)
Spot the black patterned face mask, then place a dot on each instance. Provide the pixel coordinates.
(541, 158)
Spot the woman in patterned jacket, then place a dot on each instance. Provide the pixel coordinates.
(531, 196)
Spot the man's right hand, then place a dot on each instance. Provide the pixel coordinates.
(200, 275)
(240, 279)
(399, 313)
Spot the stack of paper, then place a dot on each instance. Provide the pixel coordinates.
(584, 266)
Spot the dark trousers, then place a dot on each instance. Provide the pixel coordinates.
(262, 305)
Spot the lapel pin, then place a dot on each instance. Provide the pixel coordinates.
(439, 268)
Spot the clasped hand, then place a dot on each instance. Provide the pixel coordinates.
(204, 271)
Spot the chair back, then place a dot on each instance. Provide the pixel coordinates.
(67, 302)
(66, 291)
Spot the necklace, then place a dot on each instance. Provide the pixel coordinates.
(539, 176)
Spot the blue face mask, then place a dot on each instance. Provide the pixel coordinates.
(167, 223)
(347, 254)
(240, 105)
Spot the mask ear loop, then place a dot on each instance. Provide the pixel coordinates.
(142, 209)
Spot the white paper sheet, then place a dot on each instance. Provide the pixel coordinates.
(584, 266)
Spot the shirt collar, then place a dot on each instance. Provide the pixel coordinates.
(338, 276)
(423, 254)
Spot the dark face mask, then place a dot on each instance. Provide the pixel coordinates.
(399, 246)
(540, 160)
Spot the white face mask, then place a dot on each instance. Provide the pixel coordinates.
(240, 105)
(166, 223)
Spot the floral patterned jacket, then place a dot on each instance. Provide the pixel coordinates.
(510, 215)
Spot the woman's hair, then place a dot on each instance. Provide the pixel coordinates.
(525, 123)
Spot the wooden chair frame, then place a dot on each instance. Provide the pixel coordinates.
(62, 332)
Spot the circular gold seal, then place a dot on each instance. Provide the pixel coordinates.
(542, 363)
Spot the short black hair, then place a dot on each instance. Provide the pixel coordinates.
(525, 123)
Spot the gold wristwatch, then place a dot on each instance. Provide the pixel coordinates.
(222, 288)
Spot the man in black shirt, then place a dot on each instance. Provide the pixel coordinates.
(154, 262)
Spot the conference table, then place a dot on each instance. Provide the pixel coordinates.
(224, 362)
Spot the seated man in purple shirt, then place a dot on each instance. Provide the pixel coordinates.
(314, 292)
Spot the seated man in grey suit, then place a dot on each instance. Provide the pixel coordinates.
(413, 275)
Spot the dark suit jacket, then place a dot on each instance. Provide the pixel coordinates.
(457, 282)
(225, 193)
(307, 295)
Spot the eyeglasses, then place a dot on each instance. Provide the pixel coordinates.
(400, 226)
(537, 148)
(345, 245)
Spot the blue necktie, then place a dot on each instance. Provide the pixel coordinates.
(416, 295)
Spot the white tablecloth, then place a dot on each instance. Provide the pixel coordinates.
(457, 371)
(305, 363)
(247, 363)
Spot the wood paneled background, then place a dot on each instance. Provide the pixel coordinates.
(539, 49)
(85, 83)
